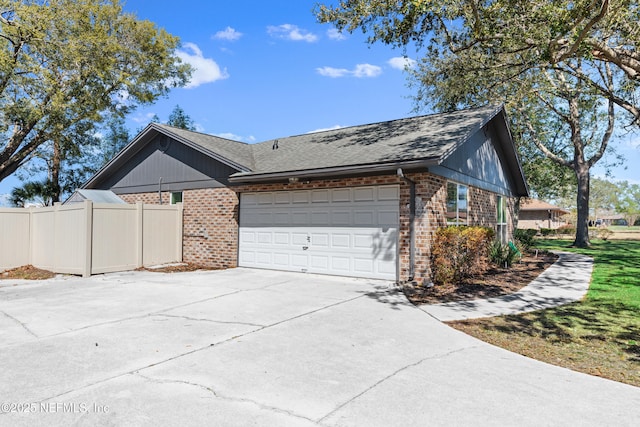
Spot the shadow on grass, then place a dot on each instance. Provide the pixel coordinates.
(615, 323)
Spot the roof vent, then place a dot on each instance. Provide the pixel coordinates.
(275, 145)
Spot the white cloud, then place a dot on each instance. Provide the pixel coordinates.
(334, 34)
(205, 69)
(291, 32)
(367, 70)
(360, 70)
(333, 72)
(143, 118)
(326, 129)
(401, 62)
(229, 34)
(234, 137)
(5, 200)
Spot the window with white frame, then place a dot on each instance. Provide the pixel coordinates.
(176, 197)
(501, 218)
(457, 204)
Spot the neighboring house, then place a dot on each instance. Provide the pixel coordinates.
(96, 196)
(536, 214)
(608, 220)
(362, 201)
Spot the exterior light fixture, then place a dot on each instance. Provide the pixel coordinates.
(293, 180)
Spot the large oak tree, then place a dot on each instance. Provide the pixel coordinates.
(67, 64)
(568, 71)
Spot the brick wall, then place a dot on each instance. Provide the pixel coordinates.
(211, 217)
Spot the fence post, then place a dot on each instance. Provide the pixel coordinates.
(88, 236)
(31, 245)
(140, 235)
(179, 231)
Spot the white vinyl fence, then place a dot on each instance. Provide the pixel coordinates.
(87, 238)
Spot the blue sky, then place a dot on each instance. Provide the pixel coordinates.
(266, 69)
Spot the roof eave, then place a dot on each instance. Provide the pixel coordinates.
(331, 172)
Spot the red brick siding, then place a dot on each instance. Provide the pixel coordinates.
(211, 217)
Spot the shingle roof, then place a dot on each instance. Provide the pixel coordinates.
(415, 138)
(539, 205)
(234, 151)
(423, 137)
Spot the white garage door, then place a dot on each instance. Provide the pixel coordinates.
(343, 231)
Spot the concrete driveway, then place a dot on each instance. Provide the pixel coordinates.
(251, 347)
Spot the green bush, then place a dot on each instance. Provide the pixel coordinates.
(503, 255)
(525, 237)
(460, 252)
(566, 230)
(546, 231)
(604, 233)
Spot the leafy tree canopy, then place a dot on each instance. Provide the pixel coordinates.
(564, 69)
(64, 63)
(178, 118)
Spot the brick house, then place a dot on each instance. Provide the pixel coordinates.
(536, 214)
(362, 201)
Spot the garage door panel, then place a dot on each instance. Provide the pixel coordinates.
(363, 217)
(247, 236)
(320, 262)
(341, 218)
(300, 261)
(281, 238)
(299, 239)
(281, 260)
(387, 217)
(263, 258)
(320, 240)
(364, 194)
(320, 218)
(299, 218)
(340, 263)
(363, 265)
(340, 240)
(282, 197)
(344, 231)
(341, 195)
(320, 196)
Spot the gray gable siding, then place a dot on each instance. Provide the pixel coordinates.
(179, 166)
(478, 162)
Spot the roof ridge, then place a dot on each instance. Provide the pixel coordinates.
(200, 133)
(496, 107)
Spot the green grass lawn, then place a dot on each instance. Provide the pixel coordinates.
(599, 335)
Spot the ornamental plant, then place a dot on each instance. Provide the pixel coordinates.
(460, 252)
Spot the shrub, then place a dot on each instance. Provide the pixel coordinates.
(604, 233)
(546, 231)
(503, 255)
(525, 237)
(567, 230)
(460, 252)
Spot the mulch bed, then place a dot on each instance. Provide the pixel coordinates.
(495, 282)
(27, 272)
(177, 268)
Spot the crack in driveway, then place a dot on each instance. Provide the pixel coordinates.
(20, 323)
(393, 374)
(220, 396)
(196, 319)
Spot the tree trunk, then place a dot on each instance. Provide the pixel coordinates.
(55, 173)
(582, 226)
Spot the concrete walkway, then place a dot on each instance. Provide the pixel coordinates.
(564, 282)
(254, 347)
